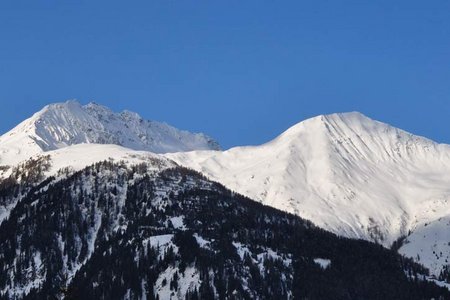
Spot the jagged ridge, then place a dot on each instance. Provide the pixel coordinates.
(63, 124)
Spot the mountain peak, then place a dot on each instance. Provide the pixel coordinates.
(345, 172)
(333, 125)
(68, 105)
(349, 114)
(98, 108)
(351, 125)
(59, 125)
(353, 117)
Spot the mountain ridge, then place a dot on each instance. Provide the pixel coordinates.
(345, 172)
(60, 125)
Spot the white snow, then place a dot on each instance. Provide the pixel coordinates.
(259, 259)
(6, 210)
(77, 157)
(202, 242)
(345, 172)
(429, 244)
(439, 283)
(322, 262)
(63, 124)
(161, 240)
(161, 243)
(178, 222)
(189, 281)
(35, 275)
(241, 249)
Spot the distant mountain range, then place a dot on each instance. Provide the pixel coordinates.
(99, 186)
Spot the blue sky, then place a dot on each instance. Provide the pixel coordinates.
(241, 71)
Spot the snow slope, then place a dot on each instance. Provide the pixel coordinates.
(345, 172)
(63, 124)
(77, 157)
(429, 244)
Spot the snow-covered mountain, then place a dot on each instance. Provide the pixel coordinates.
(348, 174)
(345, 172)
(74, 158)
(62, 124)
(153, 231)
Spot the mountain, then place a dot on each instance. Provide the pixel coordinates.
(63, 124)
(351, 175)
(153, 230)
(86, 211)
(69, 159)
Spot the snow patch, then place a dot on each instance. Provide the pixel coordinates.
(202, 242)
(189, 281)
(323, 262)
(178, 222)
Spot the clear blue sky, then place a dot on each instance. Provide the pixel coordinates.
(241, 71)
